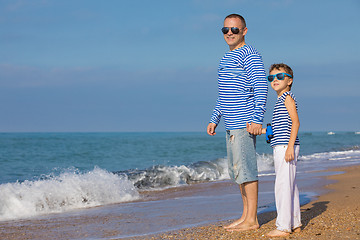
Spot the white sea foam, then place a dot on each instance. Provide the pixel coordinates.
(160, 177)
(73, 190)
(333, 156)
(70, 190)
(265, 163)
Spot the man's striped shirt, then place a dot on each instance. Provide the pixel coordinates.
(242, 89)
(281, 122)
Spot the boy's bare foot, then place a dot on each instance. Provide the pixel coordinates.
(277, 233)
(234, 224)
(243, 227)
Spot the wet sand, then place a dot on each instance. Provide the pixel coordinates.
(333, 215)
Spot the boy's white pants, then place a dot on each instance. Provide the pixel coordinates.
(286, 190)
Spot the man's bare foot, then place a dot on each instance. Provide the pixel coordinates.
(297, 230)
(234, 224)
(277, 233)
(244, 227)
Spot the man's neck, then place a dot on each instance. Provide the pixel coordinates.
(237, 46)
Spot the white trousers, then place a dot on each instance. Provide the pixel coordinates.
(286, 190)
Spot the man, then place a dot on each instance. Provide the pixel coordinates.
(241, 102)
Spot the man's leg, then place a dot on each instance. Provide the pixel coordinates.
(243, 170)
(250, 194)
(245, 206)
(251, 191)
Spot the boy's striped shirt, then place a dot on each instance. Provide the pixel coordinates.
(281, 122)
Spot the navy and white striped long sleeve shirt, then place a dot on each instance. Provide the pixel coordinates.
(242, 89)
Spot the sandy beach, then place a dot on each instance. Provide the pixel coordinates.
(334, 215)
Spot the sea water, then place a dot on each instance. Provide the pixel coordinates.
(44, 173)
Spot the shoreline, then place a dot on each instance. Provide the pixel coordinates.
(112, 222)
(334, 214)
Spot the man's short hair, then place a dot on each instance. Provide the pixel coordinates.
(282, 66)
(234, 15)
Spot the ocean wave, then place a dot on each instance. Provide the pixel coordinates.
(160, 177)
(70, 190)
(352, 153)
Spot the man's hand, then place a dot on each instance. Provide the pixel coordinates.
(211, 129)
(254, 128)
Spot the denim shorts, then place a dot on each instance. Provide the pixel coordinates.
(241, 156)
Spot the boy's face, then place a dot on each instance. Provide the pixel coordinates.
(280, 86)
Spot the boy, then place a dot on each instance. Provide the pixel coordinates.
(286, 145)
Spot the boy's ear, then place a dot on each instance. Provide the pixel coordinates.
(290, 81)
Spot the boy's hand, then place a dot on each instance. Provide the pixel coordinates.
(289, 154)
(254, 128)
(211, 129)
(263, 131)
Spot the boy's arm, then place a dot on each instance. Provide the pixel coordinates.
(291, 108)
(263, 131)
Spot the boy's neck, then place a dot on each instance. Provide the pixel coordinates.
(283, 91)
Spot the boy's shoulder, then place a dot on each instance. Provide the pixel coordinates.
(285, 94)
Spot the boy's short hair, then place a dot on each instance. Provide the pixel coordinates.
(286, 68)
(234, 15)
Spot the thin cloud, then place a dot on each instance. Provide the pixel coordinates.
(20, 4)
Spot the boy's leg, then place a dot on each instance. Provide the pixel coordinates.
(284, 189)
(296, 204)
(296, 221)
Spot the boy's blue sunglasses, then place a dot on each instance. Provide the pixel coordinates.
(279, 76)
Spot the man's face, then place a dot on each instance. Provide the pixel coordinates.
(234, 40)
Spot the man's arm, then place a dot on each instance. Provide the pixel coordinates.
(254, 128)
(256, 72)
(216, 115)
(211, 129)
(215, 119)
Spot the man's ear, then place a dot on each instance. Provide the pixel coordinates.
(245, 31)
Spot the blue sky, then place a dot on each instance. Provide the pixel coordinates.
(89, 65)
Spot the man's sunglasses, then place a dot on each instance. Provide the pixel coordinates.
(279, 76)
(234, 30)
